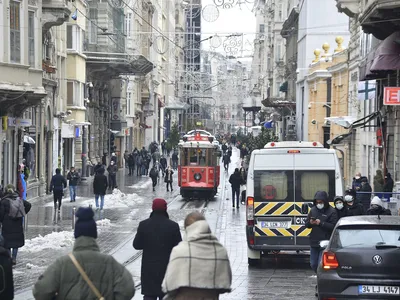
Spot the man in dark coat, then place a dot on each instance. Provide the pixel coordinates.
(73, 177)
(12, 212)
(353, 208)
(6, 274)
(236, 181)
(131, 164)
(168, 178)
(100, 185)
(365, 197)
(154, 177)
(340, 206)
(377, 208)
(156, 236)
(388, 187)
(57, 186)
(321, 219)
(112, 175)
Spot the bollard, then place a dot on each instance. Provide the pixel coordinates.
(25, 222)
(73, 217)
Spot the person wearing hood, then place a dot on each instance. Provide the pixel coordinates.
(156, 236)
(321, 219)
(388, 187)
(57, 186)
(12, 211)
(63, 280)
(377, 208)
(341, 208)
(199, 267)
(6, 273)
(100, 185)
(365, 197)
(112, 175)
(154, 175)
(236, 181)
(353, 208)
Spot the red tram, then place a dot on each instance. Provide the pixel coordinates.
(199, 169)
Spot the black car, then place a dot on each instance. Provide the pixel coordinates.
(361, 260)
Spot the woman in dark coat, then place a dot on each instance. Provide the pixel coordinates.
(168, 178)
(6, 274)
(12, 226)
(156, 236)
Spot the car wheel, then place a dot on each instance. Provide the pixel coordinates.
(253, 262)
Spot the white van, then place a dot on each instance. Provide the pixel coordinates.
(282, 180)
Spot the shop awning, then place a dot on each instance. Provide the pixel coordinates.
(345, 121)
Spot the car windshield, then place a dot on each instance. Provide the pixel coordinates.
(365, 237)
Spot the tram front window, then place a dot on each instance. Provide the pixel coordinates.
(196, 157)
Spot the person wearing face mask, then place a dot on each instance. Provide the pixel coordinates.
(377, 208)
(353, 208)
(112, 175)
(321, 219)
(341, 208)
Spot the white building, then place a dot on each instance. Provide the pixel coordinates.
(318, 21)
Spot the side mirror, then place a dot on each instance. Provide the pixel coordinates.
(304, 208)
(323, 244)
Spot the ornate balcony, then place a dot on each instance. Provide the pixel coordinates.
(348, 7)
(54, 13)
(380, 17)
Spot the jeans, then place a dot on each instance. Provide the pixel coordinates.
(315, 257)
(235, 191)
(96, 198)
(13, 252)
(72, 192)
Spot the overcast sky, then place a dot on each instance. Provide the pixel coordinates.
(233, 20)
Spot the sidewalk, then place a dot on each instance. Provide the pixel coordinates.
(49, 237)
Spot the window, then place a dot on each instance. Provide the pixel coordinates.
(128, 103)
(278, 85)
(278, 51)
(75, 93)
(128, 24)
(74, 38)
(92, 26)
(273, 185)
(262, 28)
(197, 157)
(15, 32)
(309, 182)
(31, 38)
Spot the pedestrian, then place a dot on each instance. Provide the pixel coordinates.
(198, 267)
(73, 177)
(86, 273)
(6, 273)
(156, 236)
(174, 160)
(377, 208)
(12, 211)
(226, 160)
(163, 163)
(353, 208)
(139, 166)
(131, 164)
(236, 181)
(321, 219)
(113, 158)
(57, 185)
(100, 185)
(341, 208)
(168, 178)
(356, 185)
(156, 157)
(112, 175)
(365, 195)
(21, 186)
(98, 167)
(154, 175)
(126, 157)
(388, 187)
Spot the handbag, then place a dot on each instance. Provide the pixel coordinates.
(85, 277)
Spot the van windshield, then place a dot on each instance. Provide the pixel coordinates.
(292, 185)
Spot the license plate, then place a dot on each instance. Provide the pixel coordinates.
(280, 224)
(378, 289)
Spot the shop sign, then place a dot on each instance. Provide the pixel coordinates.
(391, 96)
(115, 109)
(17, 122)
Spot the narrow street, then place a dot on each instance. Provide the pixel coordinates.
(47, 238)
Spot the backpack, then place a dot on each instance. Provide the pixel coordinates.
(17, 209)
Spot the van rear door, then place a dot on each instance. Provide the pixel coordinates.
(274, 197)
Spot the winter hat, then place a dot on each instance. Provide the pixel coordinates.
(159, 205)
(376, 201)
(321, 195)
(85, 225)
(338, 198)
(364, 179)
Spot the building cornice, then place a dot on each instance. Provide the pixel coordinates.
(338, 67)
(318, 74)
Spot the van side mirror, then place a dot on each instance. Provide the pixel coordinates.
(304, 208)
(323, 244)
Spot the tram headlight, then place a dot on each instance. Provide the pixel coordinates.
(197, 176)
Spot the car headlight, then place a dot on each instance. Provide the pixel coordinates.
(197, 176)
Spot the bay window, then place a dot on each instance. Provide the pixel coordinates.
(74, 38)
(75, 93)
(31, 38)
(15, 32)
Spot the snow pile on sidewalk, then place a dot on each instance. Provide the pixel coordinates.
(103, 223)
(117, 199)
(54, 240)
(34, 267)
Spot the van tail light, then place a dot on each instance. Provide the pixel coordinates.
(329, 261)
(251, 240)
(250, 211)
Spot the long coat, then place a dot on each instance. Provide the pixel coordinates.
(168, 175)
(12, 228)
(112, 279)
(100, 184)
(156, 236)
(6, 274)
